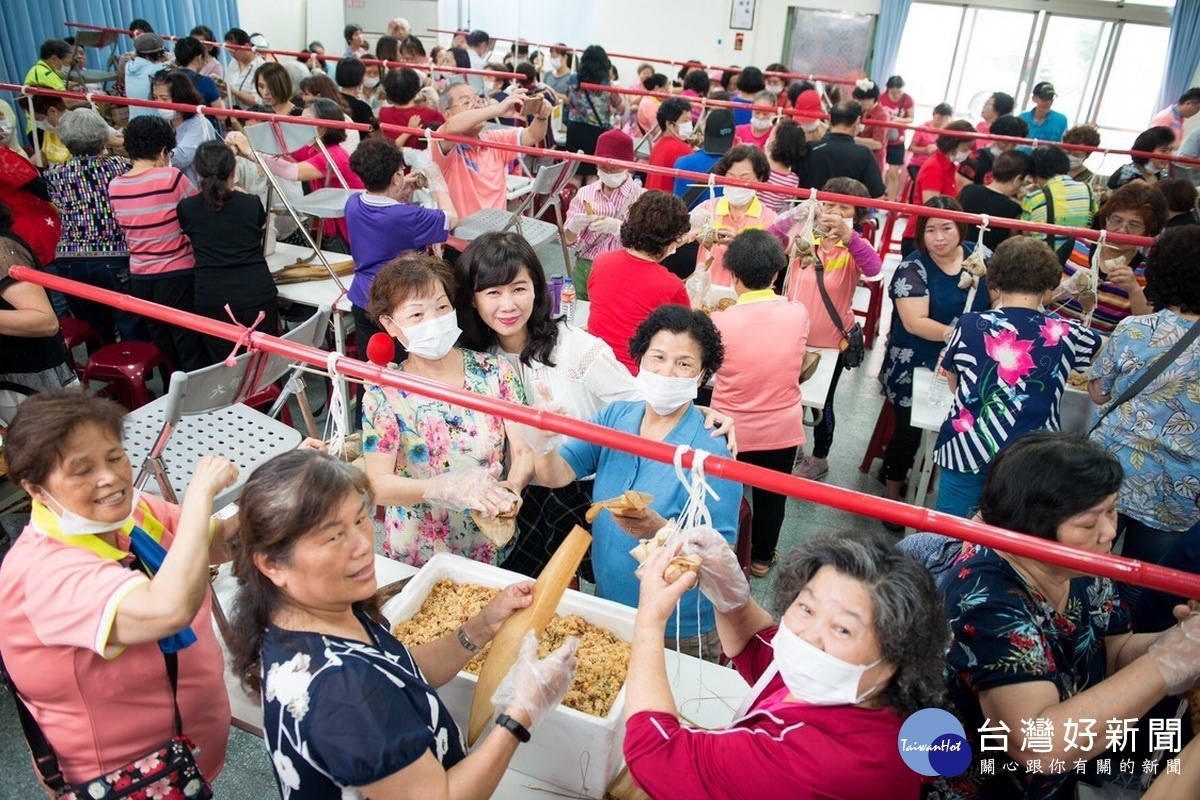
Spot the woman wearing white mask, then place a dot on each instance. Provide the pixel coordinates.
(716, 221)
(191, 129)
(594, 218)
(559, 76)
(104, 590)
(430, 461)
(674, 118)
(677, 349)
(832, 682)
(758, 129)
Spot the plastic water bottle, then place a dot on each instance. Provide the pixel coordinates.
(568, 301)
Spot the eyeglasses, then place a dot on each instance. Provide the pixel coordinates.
(466, 102)
(1116, 224)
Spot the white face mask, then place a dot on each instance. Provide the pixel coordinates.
(816, 677)
(5, 129)
(370, 82)
(738, 196)
(811, 127)
(433, 338)
(43, 125)
(686, 129)
(613, 179)
(760, 125)
(1076, 161)
(556, 63)
(775, 90)
(166, 113)
(959, 157)
(995, 150)
(664, 393)
(72, 524)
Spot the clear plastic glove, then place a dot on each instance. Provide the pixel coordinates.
(474, 487)
(1177, 655)
(1072, 286)
(533, 685)
(721, 579)
(580, 223)
(434, 180)
(698, 286)
(540, 442)
(948, 334)
(790, 223)
(606, 226)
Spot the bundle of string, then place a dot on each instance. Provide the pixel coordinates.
(802, 233)
(695, 514)
(335, 420)
(974, 267)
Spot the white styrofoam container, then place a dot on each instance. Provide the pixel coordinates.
(577, 752)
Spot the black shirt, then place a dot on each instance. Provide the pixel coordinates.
(360, 112)
(837, 156)
(977, 199)
(977, 166)
(228, 246)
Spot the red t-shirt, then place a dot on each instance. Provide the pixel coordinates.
(623, 291)
(938, 174)
(430, 118)
(779, 749)
(665, 153)
(877, 132)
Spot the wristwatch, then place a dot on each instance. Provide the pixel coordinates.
(517, 729)
(465, 640)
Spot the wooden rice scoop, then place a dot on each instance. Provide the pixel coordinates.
(547, 591)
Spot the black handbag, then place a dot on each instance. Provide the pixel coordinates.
(854, 347)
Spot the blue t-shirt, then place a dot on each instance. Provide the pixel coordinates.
(742, 116)
(1051, 130)
(1012, 366)
(339, 713)
(618, 472)
(205, 85)
(698, 161)
(381, 229)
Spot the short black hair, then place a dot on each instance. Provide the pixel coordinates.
(1191, 95)
(1043, 479)
(324, 108)
(52, 48)
(1010, 164)
(349, 73)
(947, 143)
(895, 82)
(141, 25)
(1180, 193)
(681, 319)
(187, 50)
(755, 257)
(237, 36)
(1003, 103)
(671, 110)
(870, 92)
(698, 81)
(847, 112)
(401, 85)
(744, 152)
(1047, 161)
(655, 82)
(1150, 140)
(751, 80)
(1008, 125)
(477, 37)
(1023, 265)
(349, 31)
(376, 162)
(1171, 267)
(945, 204)
(789, 145)
(943, 110)
(656, 220)
(147, 136)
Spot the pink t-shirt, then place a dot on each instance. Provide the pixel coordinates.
(923, 139)
(475, 175)
(759, 380)
(843, 267)
(312, 155)
(144, 206)
(757, 217)
(744, 134)
(100, 707)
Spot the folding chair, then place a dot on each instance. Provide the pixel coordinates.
(547, 185)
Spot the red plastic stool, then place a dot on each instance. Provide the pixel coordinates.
(76, 332)
(126, 366)
(884, 426)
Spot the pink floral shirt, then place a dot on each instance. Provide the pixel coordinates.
(430, 437)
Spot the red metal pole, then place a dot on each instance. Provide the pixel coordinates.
(1127, 570)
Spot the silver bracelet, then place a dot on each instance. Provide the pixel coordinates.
(465, 640)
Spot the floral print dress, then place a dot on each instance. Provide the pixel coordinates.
(428, 438)
(918, 276)
(1005, 632)
(1155, 435)
(339, 713)
(1012, 366)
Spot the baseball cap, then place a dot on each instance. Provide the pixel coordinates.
(616, 144)
(718, 131)
(810, 101)
(147, 43)
(1045, 90)
(259, 41)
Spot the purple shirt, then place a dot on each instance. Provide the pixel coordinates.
(381, 229)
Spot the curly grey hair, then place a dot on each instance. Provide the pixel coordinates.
(84, 132)
(909, 619)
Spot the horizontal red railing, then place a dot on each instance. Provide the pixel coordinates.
(1127, 570)
(697, 177)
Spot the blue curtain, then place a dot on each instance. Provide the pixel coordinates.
(889, 27)
(25, 24)
(1183, 51)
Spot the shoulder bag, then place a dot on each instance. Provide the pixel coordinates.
(1152, 371)
(854, 347)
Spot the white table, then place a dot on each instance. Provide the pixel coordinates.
(929, 410)
(706, 695)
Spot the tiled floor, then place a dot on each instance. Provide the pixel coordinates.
(247, 772)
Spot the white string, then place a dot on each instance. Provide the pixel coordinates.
(1094, 279)
(335, 418)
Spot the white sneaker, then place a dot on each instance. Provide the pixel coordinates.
(812, 468)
